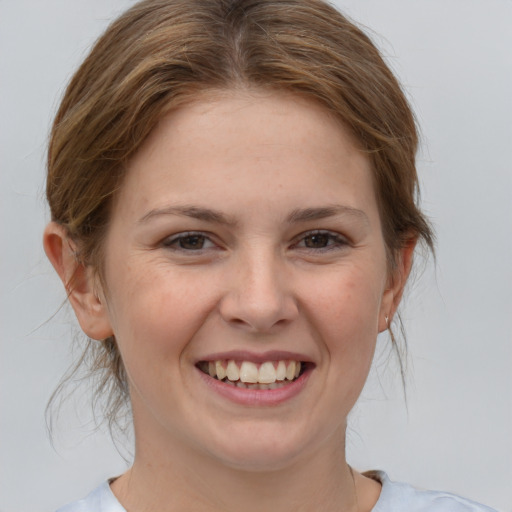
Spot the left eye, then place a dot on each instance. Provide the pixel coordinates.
(189, 242)
(321, 240)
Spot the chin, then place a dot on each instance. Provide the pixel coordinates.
(259, 450)
(259, 460)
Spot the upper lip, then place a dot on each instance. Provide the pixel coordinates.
(245, 355)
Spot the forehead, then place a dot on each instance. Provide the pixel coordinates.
(245, 144)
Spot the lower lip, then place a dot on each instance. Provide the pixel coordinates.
(257, 397)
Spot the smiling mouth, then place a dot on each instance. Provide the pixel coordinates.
(249, 375)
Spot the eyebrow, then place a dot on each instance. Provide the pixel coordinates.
(308, 214)
(214, 216)
(194, 212)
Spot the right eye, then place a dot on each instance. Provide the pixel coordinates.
(188, 242)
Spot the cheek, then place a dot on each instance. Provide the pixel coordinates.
(156, 311)
(344, 311)
(348, 301)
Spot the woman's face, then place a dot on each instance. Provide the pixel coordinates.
(245, 240)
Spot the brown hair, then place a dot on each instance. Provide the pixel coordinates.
(162, 53)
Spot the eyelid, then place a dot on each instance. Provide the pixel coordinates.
(338, 239)
(169, 241)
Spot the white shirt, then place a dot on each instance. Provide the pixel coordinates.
(394, 497)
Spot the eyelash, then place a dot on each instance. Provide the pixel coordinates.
(175, 241)
(332, 240)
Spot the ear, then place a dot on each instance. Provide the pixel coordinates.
(396, 283)
(81, 283)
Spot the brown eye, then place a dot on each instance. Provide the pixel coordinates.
(189, 242)
(317, 241)
(321, 241)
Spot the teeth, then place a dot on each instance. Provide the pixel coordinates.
(281, 370)
(232, 372)
(248, 372)
(243, 385)
(267, 375)
(220, 370)
(290, 370)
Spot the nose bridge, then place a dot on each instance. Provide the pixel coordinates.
(259, 296)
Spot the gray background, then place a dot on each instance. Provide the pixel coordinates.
(454, 58)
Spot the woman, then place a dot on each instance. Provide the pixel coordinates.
(232, 187)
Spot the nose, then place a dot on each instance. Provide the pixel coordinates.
(259, 296)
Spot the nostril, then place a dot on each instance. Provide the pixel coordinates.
(237, 321)
(257, 324)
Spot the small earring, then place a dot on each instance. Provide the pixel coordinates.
(387, 321)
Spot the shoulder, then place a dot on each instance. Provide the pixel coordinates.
(100, 500)
(400, 497)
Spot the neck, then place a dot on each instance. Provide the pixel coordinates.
(182, 479)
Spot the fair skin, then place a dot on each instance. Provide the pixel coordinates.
(246, 229)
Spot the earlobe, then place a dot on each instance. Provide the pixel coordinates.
(80, 282)
(397, 281)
